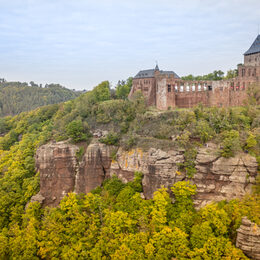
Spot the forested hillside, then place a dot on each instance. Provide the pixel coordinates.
(17, 97)
(114, 221)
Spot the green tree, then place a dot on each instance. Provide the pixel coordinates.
(230, 143)
(101, 92)
(75, 131)
(123, 88)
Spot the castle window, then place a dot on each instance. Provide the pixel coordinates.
(243, 86)
(193, 88)
(254, 73)
(169, 88)
(209, 88)
(146, 89)
(176, 88)
(187, 88)
(199, 87)
(232, 86)
(181, 88)
(205, 87)
(238, 86)
(243, 72)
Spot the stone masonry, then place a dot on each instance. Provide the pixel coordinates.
(165, 89)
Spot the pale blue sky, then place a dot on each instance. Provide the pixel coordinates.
(81, 43)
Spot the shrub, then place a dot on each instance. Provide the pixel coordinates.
(230, 143)
(80, 153)
(204, 131)
(113, 185)
(110, 139)
(75, 131)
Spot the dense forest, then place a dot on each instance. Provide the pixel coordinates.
(17, 97)
(114, 221)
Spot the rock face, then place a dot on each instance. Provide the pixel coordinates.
(159, 168)
(219, 178)
(92, 170)
(58, 166)
(216, 179)
(60, 172)
(248, 239)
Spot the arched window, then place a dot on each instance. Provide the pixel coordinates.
(193, 87)
(188, 88)
(181, 88)
(199, 87)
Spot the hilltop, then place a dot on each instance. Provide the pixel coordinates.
(114, 221)
(17, 97)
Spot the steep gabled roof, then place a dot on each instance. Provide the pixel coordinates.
(255, 47)
(150, 73)
(145, 74)
(170, 73)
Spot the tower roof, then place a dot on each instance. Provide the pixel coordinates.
(255, 47)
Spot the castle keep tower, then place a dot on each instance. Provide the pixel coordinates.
(165, 89)
(250, 70)
(252, 56)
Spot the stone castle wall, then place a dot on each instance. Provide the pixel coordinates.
(165, 91)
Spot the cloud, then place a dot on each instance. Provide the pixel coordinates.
(75, 42)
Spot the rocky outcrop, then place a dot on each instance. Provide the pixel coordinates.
(159, 168)
(92, 170)
(219, 178)
(57, 164)
(248, 239)
(61, 173)
(216, 179)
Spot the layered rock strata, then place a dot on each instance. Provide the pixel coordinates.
(216, 179)
(57, 164)
(61, 173)
(159, 168)
(219, 178)
(248, 239)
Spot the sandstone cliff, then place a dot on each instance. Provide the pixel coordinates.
(61, 173)
(216, 179)
(248, 239)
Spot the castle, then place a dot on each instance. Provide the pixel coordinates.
(165, 89)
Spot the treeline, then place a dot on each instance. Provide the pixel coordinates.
(114, 222)
(215, 75)
(17, 97)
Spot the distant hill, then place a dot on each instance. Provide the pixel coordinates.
(17, 97)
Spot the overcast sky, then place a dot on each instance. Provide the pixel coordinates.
(79, 43)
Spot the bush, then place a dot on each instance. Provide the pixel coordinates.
(110, 139)
(230, 143)
(204, 131)
(113, 185)
(75, 131)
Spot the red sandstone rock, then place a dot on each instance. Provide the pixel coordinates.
(57, 165)
(216, 178)
(248, 239)
(93, 168)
